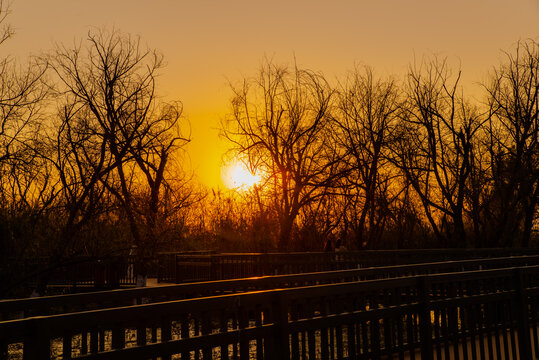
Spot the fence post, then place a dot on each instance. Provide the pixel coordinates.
(160, 265)
(176, 269)
(425, 332)
(524, 342)
(213, 270)
(36, 342)
(265, 265)
(118, 337)
(3, 350)
(279, 347)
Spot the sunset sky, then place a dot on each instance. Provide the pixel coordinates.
(208, 44)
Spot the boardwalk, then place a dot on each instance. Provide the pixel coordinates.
(403, 317)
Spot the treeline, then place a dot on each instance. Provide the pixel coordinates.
(91, 158)
(383, 163)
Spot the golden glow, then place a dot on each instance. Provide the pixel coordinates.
(206, 42)
(236, 176)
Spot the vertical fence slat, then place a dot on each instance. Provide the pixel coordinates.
(294, 337)
(141, 333)
(464, 328)
(280, 334)
(94, 341)
(3, 350)
(259, 341)
(37, 344)
(206, 330)
(223, 322)
(66, 346)
(524, 344)
(166, 334)
(118, 337)
(84, 343)
(410, 335)
(424, 318)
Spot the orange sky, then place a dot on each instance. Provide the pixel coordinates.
(208, 43)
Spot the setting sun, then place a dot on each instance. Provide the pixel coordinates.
(236, 175)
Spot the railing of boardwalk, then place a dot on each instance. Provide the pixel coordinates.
(211, 266)
(48, 305)
(470, 315)
(79, 273)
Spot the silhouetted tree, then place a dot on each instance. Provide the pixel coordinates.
(513, 130)
(6, 31)
(367, 112)
(21, 96)
(279, 125)
(119, 136)
(25, 179)
(435, 147)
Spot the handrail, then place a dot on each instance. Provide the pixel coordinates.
(287, 317)
(183, 268)
(92, 300)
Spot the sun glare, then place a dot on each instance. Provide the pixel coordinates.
(236, 175)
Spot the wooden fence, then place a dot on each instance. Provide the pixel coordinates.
(181, 267)
(487, 314)
(77, 274)
(49, 305)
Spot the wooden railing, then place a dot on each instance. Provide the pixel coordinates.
(81, 273)
(487, 313)
(48, 305)
(182, 267)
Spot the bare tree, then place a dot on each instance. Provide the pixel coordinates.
(513, 130)
(365, 120)
(21, 95)
(25, 178)
(279, 125)
(319, 223)
(435, 147)
(120, 137)
(6, 31)
(82, 164)
(165, 188)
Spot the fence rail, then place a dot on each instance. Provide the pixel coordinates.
(80, 273)
(182, 268)
(48, 305)
(483, 314)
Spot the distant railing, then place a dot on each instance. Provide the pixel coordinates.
(81, 273)
(166, 269)
(483, 314)
(182, 267)
(49, 305)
